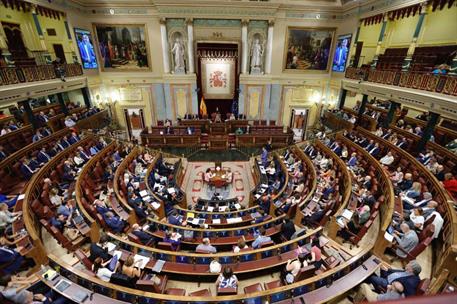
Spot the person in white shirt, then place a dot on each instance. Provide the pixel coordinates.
(417, 218)
(54, 197)
(379, 132)
(78, 160)
(69, 122)
(271, 170)
(101, 269)
(437, 222)
(240, 245)
(388, 159)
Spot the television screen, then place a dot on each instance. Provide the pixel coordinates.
(86, 49)
(341, 53)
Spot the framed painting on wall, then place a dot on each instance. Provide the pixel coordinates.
(122, 47)
(308, 49)
(218, 78)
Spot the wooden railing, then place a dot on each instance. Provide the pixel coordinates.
(11, 160)
(421, 81)
(15, 75)
(311, 170)
(448, 235)
(34, 190)
(345, 176)
(88, 167)
(442, 135)
(306, 288)
(119, 174)
(335, 122)
(367, 122)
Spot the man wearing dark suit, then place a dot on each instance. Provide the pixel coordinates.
(98, 249)
(287, 229)
(64, 142)
(145, 238)
(369, 146)
(45, 132)
(26, 170)
(3, 154)
(374, 151)
(73, 138)
(10, 260)
(43, 156)
(83, 154)
(409, 278)
(337, 149)
(401, 143)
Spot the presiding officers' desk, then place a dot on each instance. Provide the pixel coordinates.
(216, 135)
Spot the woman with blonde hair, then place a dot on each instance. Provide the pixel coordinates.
(130, 268)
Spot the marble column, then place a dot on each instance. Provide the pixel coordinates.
(428, 131)
(412, 46)
(342, 100)
(362, 109)
(391, 114)
(380, 40)
(190, 45)
(354, 63)
(244, 46)
(86, 97)
(163, 35)
(63, 106)
(269, 47)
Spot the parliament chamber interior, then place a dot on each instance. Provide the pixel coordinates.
(231, 151)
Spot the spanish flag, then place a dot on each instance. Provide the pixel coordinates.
(203, 110)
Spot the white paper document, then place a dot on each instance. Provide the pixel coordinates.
(141, 261)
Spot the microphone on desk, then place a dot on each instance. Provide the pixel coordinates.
(91, 295)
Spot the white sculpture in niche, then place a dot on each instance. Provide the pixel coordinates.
(179, 52)
(256, 56)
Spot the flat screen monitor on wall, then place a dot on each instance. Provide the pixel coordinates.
(86, 49)
(341, 53)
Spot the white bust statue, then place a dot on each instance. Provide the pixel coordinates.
(256, 55)
(178, 55)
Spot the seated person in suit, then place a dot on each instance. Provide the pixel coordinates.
(43, 156)
(227, 279)
(114, 222)
(60, 222)
(9, 200)
(260, 239)
(263, 216)
(409, 278)
(98, 250)
(176, 219)
(14, 289)
(287, 228)
(172, 238)
(394, 292)
(360, 217)
(10, 260)
(27, 169)
(3, 153)
(407, 239)
(206, 246)
(145, 238)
